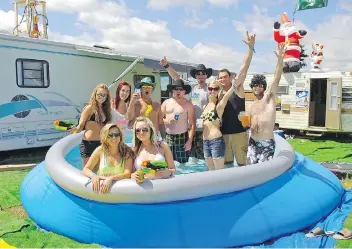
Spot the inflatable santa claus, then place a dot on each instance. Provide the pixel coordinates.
(288, 32)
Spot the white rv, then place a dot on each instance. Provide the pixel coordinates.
(312, 102)
(42, 81)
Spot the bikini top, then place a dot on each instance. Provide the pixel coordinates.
(211, 115)
(105, 169)
(138, 161)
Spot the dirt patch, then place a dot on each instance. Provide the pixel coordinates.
(17, 211)
(25, 156)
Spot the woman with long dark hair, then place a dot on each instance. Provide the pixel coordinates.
(94, 116)
(120, 105)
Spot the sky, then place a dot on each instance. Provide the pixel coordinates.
(196, 31)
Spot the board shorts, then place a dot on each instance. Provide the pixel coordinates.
(87, 147)
(260, 151)
(177, 142)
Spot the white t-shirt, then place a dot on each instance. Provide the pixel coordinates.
(199, 99)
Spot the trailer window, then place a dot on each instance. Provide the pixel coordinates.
(32, 73)
(347, 95)
(137, 78)
(282, 90)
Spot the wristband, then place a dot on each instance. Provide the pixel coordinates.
(91, 175)
(166, 66)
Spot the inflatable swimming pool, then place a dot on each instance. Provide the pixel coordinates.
(224, 208)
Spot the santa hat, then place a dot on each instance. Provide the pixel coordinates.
(284, 18)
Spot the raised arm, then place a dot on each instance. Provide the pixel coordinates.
(272, 89)
(222, 103)
(170, 70)
(241, 76)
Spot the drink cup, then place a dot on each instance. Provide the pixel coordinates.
(245, 119)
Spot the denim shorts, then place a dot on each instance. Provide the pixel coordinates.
(214, 148)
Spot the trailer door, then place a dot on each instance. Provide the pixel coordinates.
(333, 105)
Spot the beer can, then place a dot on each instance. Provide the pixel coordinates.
(177, 115)
(140, 172)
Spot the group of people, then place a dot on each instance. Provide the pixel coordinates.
(205, 127)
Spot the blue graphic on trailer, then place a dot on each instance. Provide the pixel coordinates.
(21, 105)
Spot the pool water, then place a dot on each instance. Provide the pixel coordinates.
(75, 160)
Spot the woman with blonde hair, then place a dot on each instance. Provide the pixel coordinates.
(113, 158)
(93, 117)
(147, 147)
(213, 141)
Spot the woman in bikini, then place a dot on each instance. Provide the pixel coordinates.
(113, 158)
(94, 116)
(213, 141)
(120, 105)
(147, 147)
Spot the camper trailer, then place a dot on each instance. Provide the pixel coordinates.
(312, 102)
(43, 81)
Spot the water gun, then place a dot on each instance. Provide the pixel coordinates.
(63, 125)
(151, 166)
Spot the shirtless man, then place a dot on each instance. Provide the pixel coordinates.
(178, 114)
(199, 98)
(263, 114)
(142, 105)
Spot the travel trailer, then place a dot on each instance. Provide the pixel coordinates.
(43, 81)
(312, 102)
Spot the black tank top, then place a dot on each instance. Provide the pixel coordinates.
(230, 122)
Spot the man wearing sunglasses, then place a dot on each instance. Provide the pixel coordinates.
(235, 136)
(143, 105)
(199, 98)
(178, 113)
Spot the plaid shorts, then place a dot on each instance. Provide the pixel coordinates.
(177, 142)
(197, 145)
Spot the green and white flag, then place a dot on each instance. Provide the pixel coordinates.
(311, 4)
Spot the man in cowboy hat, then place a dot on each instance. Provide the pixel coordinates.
(199, 98)
(142, 105)
(178, 113)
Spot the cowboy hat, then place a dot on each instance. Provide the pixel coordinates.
(179, 83)
(201, 67)
(145, 81)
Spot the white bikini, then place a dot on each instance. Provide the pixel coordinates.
(138, 161)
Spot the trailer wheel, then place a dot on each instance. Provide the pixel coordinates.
(23, 114)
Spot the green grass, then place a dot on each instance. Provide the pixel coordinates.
(29, 236)
(346, 243)
(323, 150)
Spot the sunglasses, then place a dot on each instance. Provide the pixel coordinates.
(101, 95)
(142, 129)
(201, 73)
(150, 87)
(114, 135)
(213, 88)
(178, 89)
(258, 85)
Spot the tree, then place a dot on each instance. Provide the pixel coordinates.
(303, 55)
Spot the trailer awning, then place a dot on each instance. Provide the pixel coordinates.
(177, 66)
